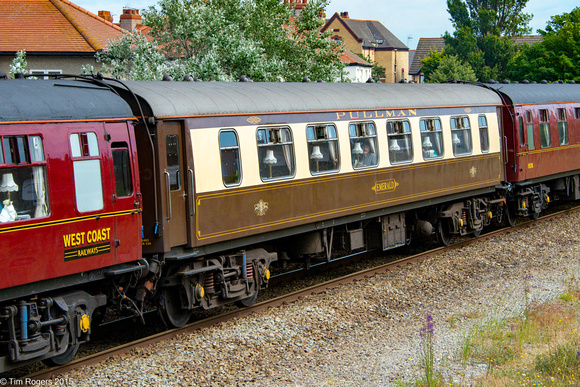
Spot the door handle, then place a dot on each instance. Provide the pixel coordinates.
(168, 179)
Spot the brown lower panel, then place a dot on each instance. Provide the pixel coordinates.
(236, 213)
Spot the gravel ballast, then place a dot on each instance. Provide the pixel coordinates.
(366, 333)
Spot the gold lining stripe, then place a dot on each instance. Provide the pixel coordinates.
(67, 221)
(355, 207)
(342, 176)
(559, 148)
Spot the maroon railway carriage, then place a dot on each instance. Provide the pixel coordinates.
(70, 212)
(542, 133)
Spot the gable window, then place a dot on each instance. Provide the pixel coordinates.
(43, 74)
(400, 142)
(562, 127)
(275, 153)
(363, 144)
(431, 138)
(461, 135)
(545, 135)
(483, 133)
(87, 171)
(230, 157)
(322, 148)
(23, 188)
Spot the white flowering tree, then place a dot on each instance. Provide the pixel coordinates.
(19, 64)
(225, 39)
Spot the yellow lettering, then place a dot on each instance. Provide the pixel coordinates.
(66, 240)
(412, 112)
(390, 113)
(339, 116)
(365, 115)
(353, 116)
(401, 114)
(377, 115)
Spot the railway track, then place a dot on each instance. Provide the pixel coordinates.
(286, 298)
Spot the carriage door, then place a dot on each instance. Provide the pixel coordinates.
(126, 192)
(174, 183)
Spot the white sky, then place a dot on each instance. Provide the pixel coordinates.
(408, 20)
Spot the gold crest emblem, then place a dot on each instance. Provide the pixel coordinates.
(261, 207)
(473, 171)
(254, 120)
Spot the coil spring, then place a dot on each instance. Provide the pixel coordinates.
(209, 283)
(249, 270)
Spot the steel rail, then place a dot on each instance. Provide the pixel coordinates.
(290, 297)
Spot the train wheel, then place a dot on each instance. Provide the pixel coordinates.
(248, 301)
(477, 233)
(509, 215)
(64, 357)
(170, 308)
(443, 233)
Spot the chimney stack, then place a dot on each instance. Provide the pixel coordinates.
(106, 15)
(130, 19)
(344, 15)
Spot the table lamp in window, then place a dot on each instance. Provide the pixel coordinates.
(357, 150)
(270, 160)
(8, 184)
(317, 155)
(394, 149)
(456, 142)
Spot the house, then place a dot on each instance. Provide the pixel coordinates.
(356, 68)
(374, 41)
(424, 47)
(58, 36)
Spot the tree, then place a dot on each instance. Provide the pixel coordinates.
(452, 69)
(430, 63)
(225, 39)
(484, 31)
(19, 64)
(556, 57)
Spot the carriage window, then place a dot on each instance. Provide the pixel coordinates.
(322, 148)
(122, 169)
(461, 135)
(521, 131)
(275, 152)
(529, 116)
(400, 141)
(431, 138)
(483, 133)
(545, 136)
(23, 192)
(87, 171)
(562, 127)
(230, 157)
(577, 113)
(363, 144)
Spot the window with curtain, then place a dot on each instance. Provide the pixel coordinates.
(461, 135)
(431, 138)
(545, 135)
(363, 144)
(23, 186)
(400, 141)
(275, 153)
(562, 127)
(323, 152)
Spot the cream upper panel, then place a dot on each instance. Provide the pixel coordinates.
(207, 158)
